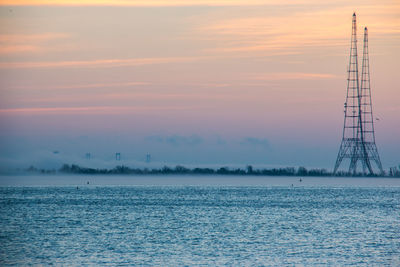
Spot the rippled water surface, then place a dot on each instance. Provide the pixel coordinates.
(200, 225)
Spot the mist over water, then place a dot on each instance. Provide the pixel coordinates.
(50, 152)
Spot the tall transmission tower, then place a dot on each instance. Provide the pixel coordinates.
(358, 141)
(367, 118)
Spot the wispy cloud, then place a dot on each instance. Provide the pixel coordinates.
(23, 38)
(291, 76)
(294, 31)
(83, 85)
(154, 2)
(89, 110)
(13, 49)
(277, 35)
(20, 43)
(99, 63)
(213, 85)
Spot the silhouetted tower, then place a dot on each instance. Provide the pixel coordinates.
(148, 158)
(358, 141)
(118, 156)
(367, 118)
(87, 156)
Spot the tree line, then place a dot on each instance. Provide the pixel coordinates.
(181, 170)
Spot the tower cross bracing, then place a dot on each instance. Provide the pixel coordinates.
(358, 141)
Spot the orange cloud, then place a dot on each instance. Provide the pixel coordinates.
(154, 2)
(292, 76)
(292, 32)
(277, 34)
(12, 49)
(100, 63)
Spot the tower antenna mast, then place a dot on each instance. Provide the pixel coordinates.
(358, 141)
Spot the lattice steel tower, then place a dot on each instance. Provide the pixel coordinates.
(358, 142)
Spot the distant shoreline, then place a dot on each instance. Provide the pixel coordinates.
(181, 170)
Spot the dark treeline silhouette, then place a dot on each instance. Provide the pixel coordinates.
(181, 170)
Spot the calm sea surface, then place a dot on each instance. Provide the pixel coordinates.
(174, 221)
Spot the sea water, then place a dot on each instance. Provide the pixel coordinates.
(179, 220)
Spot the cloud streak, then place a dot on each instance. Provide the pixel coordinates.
(291, 76)
(89, 110)
(294, 32)
(154, 2)
(84, 86)
(20, 43)
(99, 63)
(23, 38)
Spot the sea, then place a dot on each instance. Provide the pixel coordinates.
(198, 221)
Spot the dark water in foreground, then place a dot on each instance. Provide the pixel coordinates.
(321, 222)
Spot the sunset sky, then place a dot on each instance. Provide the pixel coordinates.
(205, 82)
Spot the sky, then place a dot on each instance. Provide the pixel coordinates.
(197, 83)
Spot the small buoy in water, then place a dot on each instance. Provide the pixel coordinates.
(77, 188)
(87, 182)
(300, 180)
(292, 185)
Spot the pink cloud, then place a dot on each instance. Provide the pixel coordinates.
(83, 85)
(88, 110)
(20, 43)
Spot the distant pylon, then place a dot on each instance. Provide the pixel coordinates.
(358, 141)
